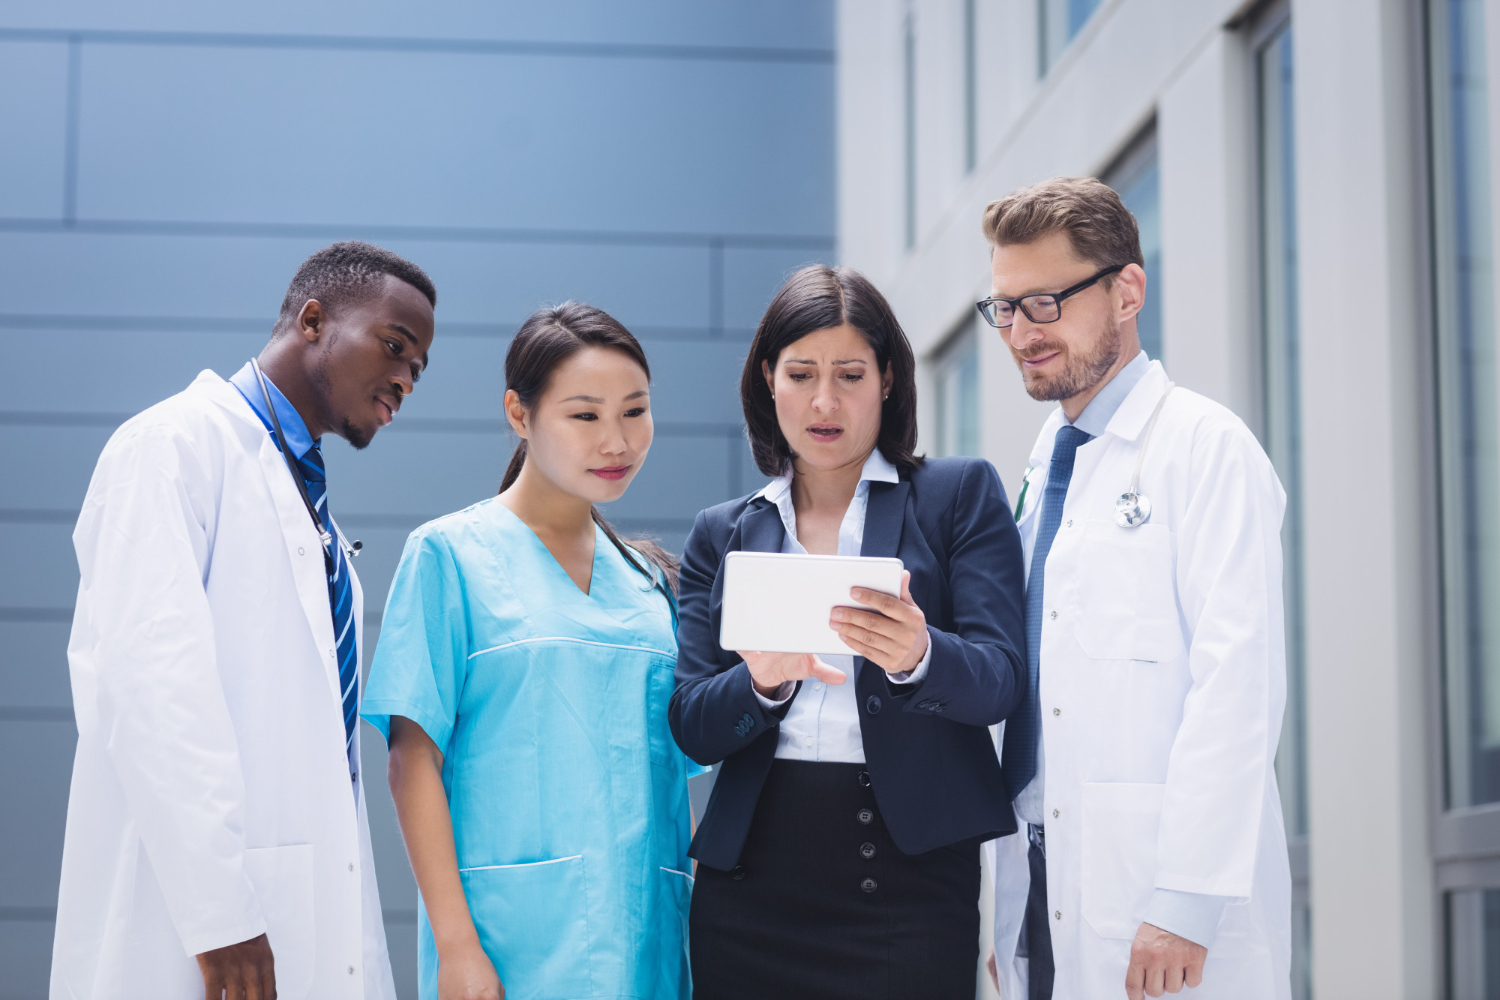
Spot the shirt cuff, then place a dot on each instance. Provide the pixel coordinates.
(783, 694)
(1190, 915)
(918, 673)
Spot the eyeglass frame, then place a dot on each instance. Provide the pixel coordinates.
(1019, 303)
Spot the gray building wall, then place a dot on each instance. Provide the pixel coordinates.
(165, 166)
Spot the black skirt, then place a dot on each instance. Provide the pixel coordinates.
(822, 904)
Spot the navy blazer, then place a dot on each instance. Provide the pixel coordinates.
(927, 746)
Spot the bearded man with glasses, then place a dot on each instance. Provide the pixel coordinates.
(1151, 853)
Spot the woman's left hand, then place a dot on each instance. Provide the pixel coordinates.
(893, 636)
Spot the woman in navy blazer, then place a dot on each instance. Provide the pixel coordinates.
(839, 853)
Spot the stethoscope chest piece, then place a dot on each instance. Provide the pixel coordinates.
(1132, 510)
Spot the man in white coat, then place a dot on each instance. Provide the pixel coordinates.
(1152, 855)
(217, 844)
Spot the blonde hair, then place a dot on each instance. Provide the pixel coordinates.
(1099, 226)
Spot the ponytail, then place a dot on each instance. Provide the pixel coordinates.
(548, 338)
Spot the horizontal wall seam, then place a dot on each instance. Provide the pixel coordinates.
(419, 425)
(41, 914)
(431, 234)
(35, 713)
(456, 46)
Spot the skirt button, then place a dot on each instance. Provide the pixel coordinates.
(867, 850)
(865, 816)
(738, 873)
(864, 779)
(868, 885)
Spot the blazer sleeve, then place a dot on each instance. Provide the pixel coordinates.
(977, 675)
(714, 711)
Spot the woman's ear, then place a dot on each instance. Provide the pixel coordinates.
(516, 414)
(887, 379)
(765, 373)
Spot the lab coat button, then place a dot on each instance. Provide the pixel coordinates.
(807, 741)
(864, 779)
(1054, 616)
(1070, 522)
(301, 551)
(872, 705)
(869, 885)
(351, 970)
(867, 850)
(1055, 814)
(1057, 915)
(1057, 711)
(738, 873)
(351, 866)
(865, 816)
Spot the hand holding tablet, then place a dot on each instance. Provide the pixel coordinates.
(807, 604)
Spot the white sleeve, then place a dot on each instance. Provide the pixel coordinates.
(1229, 585)
(158, 704)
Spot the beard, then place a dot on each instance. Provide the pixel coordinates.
(1081, 371)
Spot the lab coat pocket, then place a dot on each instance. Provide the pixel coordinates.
(283, 881)
(676, 899)
(1127, 594)
(533, 923)
(1121, 822)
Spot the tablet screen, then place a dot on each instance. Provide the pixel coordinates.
(779, 603)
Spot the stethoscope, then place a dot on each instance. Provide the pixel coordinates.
(351, 549)
(1133, 508)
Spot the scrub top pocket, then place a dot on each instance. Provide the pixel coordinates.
(533, 923)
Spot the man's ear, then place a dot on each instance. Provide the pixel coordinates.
(310, 320)
(1130, 284)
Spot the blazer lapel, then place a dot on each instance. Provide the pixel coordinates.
(885, 513)
(761, 530)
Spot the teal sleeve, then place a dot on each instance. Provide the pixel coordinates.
(422, 656)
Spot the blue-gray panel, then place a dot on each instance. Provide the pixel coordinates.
(678, 482)
(795, 24)
(41, 571)
(231, 277)
(112, 372)
(34, 666)
(38, 765)
(26, 957)
(33, 128)
(422, 474)
(752, 278)
(48, 467)
(455, 140)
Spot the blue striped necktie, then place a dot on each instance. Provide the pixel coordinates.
(1018, 757)
(340, 594)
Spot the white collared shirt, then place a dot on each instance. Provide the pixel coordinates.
(823, 723)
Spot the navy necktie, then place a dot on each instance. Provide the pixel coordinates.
(340, 594)
(1018, 758)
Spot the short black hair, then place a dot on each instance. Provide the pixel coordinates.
(346, 270)
(819, 298)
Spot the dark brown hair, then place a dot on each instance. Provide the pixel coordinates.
(547, 339)
(817, 298)
(1099, 226)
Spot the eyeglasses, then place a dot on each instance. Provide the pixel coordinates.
(1043, 308)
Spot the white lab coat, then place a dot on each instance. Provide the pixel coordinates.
(211, 799)
(1163, 680)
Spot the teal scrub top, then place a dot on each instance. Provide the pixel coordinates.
(568, 794)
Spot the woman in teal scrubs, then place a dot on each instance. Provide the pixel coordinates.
(522, 678)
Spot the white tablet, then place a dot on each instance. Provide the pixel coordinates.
(775, 603)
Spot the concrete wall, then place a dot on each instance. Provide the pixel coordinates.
(165, 166)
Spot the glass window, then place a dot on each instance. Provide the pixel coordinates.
(957, 395)
(1473, 920)
(1468, 419)
(909, 130)
(971, 88)
(1136, 178)
(1057, 22)
(1283, 425)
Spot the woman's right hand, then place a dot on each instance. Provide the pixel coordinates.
(768, 671)
(466, 973)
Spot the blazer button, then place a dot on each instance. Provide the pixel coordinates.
(864, 779)
(738, 874)
(865, 816)
(868, 885)
(867, 850)
(872, 705)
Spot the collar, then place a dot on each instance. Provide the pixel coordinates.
(298, 438)
(1129, 416)
(876, 470)
(1096, 416)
